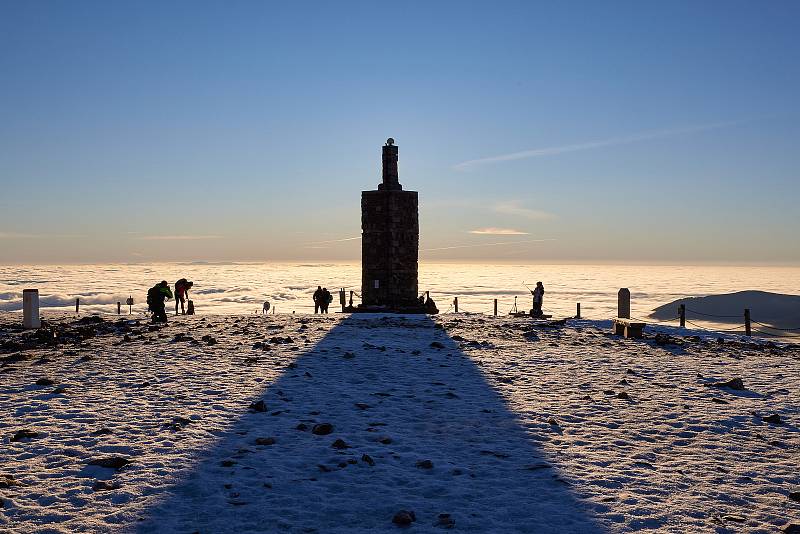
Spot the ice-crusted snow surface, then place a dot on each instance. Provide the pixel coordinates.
(504, 425)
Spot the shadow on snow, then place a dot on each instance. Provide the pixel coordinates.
(398, 401)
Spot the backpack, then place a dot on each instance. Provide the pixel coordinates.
(152, 296)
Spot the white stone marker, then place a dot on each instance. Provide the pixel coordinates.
(30, 309)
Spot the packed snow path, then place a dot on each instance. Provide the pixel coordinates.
(483, 425)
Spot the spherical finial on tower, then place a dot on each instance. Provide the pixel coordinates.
(389, 142)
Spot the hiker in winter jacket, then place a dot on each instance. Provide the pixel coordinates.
(156, 296)
(182, 288)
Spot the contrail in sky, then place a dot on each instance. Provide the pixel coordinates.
(624, 140)
(488, 244)
(333, 241)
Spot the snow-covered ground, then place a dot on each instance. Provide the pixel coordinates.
(471, 422)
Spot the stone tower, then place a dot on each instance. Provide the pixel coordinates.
(389, 241)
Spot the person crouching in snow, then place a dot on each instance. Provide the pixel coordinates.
(156, 296)
(182, 288)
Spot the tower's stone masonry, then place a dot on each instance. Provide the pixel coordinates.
(390, 241)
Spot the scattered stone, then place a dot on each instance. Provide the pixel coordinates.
(552, 422)
(794, 496)
(209, 340)
(733, 383)
(102, 432)
(44, 382)
(340, 444)
(734, 518)
(265, 441)
(362, 406)
(404, 518)
(445, 521)
(773, 419)
(348, 355)
(7, 481)
(385, 440)
(104, 485)
(366, 458)
(609, 392)
(425, 464)
(178, 423)
(227, 463)
(436, 345)
(322, 429)
(623, 395)
(59, 390)
(719, 401)
(111, 462)
(302, 427)
(792, 528)
(258, 406)
(19, 435)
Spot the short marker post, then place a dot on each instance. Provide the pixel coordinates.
(747, 330)
(30, 309)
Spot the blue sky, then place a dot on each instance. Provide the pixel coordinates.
(570, 131)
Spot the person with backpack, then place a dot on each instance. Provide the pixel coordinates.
(326, 300)
(182, 288)
(538, 297)
(156, 296)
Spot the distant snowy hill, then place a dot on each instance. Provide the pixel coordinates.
(775, 309)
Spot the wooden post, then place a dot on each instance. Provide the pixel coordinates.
(578, 314)
(495, 307)
(119, 308)
(455, 303)
(682, 314)
(747, 322)
(77, 306)
(624, 303)
(342, 299)
(30, 309)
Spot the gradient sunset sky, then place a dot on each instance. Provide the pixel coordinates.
(534, 131)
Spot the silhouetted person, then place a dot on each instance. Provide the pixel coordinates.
(182, 288)
(156, 296)
(421, 300)
(318, 299)
(326, 300)
(538, 297)
(430, 306)
(265, 309)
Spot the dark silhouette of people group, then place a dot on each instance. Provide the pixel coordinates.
(161, 292)
(322, 299)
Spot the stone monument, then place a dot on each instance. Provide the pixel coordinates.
(389, 242)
